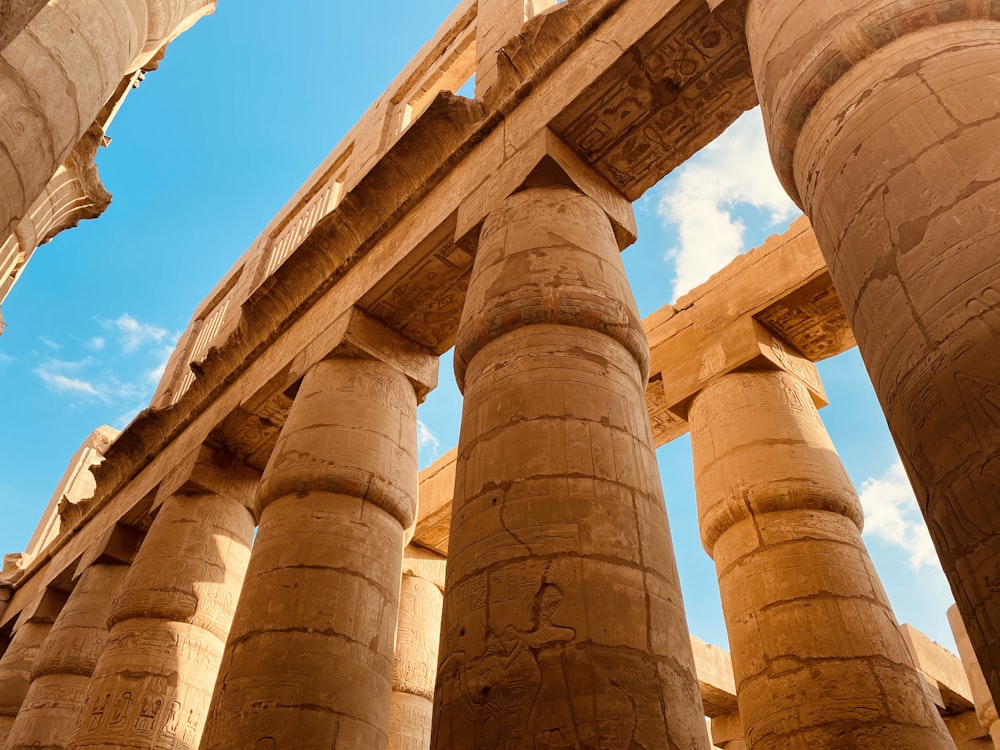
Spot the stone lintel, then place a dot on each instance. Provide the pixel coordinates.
(118, 546)
(783, 283)
(437, 488)
(690, 360)
(941, 669)
(715, 679)
(545, 160)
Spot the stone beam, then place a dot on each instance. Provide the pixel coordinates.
(942, 671)
(773, 305)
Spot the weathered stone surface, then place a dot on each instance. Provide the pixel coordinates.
(310, 659)
(418, 634)
(15, 671)
(882, 120)
(153, 681)
(562, 623)
(60, 674)
(818, 658)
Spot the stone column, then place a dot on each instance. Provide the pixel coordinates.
(153, 682)
(61, 673)
(418, 633)
(58, 73)
(309, 661)
(986, 710)
(882, 119)
(21, 654)
(818, 657)
(563, 623)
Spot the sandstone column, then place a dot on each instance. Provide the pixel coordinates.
(58, 73)
(309, 661)
(153, 682)
(418, 632)
(882, 119)
(818, 657)
(563, 623)
(986, 710)
(61, 673)
(21, 654)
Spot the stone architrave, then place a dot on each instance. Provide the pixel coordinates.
(309, 660)
(563, 624)
(818, 658)
(61, 672)
(153, 682)
(418, 633)
(882, 120)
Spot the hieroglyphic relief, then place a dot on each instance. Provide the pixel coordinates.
(633, 125)
(812, 318)
(426, 303)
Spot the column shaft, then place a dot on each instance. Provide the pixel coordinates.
(54, 703)
(418, 633)
(882, 119)
(15, 671)
(152, 684)
(817, 655)
(563, 622)
(309, 661)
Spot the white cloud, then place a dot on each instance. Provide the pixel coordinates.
(892, 515)
(701, 198)
(426, 439)
(49, 342)
(134, 334)
(5, 359)
(96, 344)
(65, 384)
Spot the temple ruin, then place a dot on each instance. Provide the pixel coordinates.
(255, 562)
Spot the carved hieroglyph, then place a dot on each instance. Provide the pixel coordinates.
(818, 657)
(309, 661)
(563, 624)
(54, 703)
(882, 120)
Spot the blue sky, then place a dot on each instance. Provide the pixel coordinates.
(207, 150)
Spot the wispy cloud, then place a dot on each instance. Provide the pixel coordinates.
(59, 376)
(5, 359)
(123, 382)
(133, 334)
(50, 343)
(700, 201)
(426, 440)
(892, 516)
